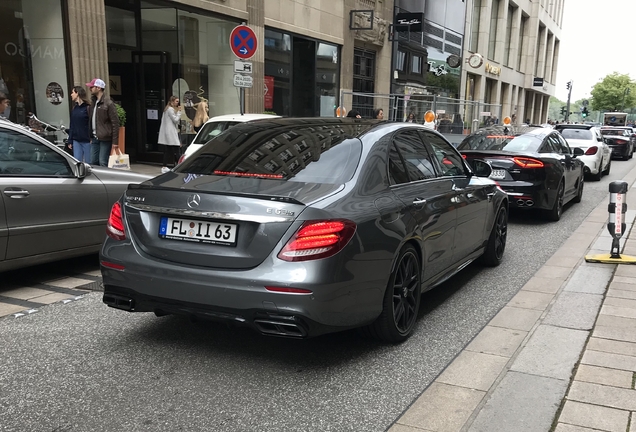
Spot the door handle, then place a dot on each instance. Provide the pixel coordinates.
(16, 193)
(419, 201)
(456, 189)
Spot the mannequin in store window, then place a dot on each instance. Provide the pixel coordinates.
(201, 116)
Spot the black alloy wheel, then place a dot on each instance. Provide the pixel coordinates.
(554, 214)
(401, 300)
(609, 167)
(493, 255)
(598, 175)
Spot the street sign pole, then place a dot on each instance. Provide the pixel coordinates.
(242, 99)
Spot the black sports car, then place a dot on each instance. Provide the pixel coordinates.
(620, 140)
(535, 166)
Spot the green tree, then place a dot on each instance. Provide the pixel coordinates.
(554, 108)
(615, 92)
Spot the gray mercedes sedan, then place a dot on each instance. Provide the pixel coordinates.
(299, 227)
(52, 206)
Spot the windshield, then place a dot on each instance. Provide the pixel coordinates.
(210, 130)
(318, 154)
(579, 134)
(510, 143)
(615, 132)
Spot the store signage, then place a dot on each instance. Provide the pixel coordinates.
(438, 70)
(495, 70)
(243, 42)
(537, 82)
(268, 83)
(409, 22)
(245, 81)
(242, 66)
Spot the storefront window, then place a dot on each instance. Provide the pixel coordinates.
(327, 73)
(277, 71)
(32, 60)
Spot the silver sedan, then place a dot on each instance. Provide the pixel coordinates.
(51, 206)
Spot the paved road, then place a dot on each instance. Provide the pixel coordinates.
(81, 366)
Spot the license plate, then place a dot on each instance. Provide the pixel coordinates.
(198, 231)
(498, 174)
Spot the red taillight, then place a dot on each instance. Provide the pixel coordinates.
(113, 265)
(115, 224)
(591, 151)
(527, 162)
(464, 156)
(619, 141)
(287, 290)
(318, 239)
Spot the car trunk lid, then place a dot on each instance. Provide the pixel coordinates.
(202, 222)
(507, 166)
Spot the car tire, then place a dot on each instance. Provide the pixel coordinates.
(554, 214)
(609, 166)
(599, 174)
(493, 255)
(402, 298)
(579, 194)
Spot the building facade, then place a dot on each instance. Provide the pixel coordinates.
(308, 55)
(512, 53)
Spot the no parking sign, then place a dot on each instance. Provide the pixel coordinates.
(243, 42)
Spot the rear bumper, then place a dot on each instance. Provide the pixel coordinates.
(620, 150)
(528, 195)
(341, 298)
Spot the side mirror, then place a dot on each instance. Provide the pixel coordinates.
(481, 168)
(577, 152)
(83, 170)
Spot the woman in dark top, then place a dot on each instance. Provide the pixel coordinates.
(79, 135)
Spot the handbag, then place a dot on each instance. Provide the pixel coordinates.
(118, 160)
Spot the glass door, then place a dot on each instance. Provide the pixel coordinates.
(152, 82)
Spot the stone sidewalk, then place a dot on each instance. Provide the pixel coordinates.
(561, 356)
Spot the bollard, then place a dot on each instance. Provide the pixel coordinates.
(617, 208)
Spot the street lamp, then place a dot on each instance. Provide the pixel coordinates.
(625, 92)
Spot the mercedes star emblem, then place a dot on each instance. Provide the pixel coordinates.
(194, 200)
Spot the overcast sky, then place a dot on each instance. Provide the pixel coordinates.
(598, 38)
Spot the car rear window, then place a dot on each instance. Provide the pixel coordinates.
(580, 134)
(615, 132)
(212, 129)
(320, 154)
(502, 142)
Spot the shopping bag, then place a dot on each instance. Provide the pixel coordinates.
(118, 160)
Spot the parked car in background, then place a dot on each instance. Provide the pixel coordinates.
(52, 206)
(215, 125)
(620, 140)
(302, 226)
(533, 165)
(597, 155)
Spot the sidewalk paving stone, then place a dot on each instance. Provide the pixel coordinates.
(612, 346)
(564, 261)
(25, 293)
(574, 310)
(604, 376)
(551, 352)
(623, 283)
(609, 360)
(632, 427)
(68, 282)
(605, 320)
(563, 427)
(403, 428)
(53, 298)
(531, 300)
(498, 341)
(626, 270)
(596, 394)
(553, 272)
(521, 403)
(473, 370)
(8, 309)
(543, 285)
(619, 302)
(441, 408)
(592, 416)
(618, 334)
(516, 318)
(630, 295)
(590, 278)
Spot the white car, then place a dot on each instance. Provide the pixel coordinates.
(597, 155)
(218, 124)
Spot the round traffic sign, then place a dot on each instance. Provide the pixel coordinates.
(243, 42)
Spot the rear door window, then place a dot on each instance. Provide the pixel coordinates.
(417, 160)
(448, 160)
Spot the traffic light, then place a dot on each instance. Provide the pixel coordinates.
(563, 110)
(569, 85)
(584, 112)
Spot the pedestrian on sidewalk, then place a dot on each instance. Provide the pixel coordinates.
(168, 133)
(5, 103)
(79, 132)
(378, 114)
(104, 124)
(201, 116)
